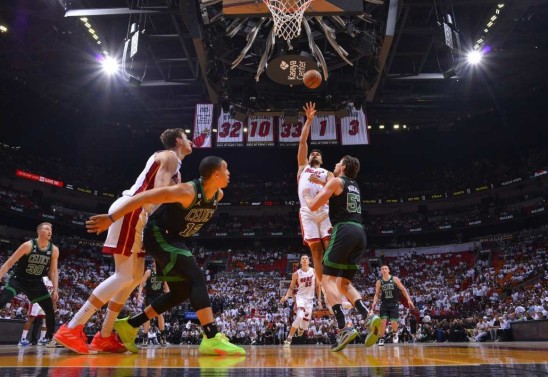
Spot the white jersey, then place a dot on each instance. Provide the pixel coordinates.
(313, 189)
(306, 284)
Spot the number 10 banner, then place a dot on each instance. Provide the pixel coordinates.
(260, 131)
(354, 128)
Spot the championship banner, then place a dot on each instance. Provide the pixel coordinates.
(260, 131)
(203, 118)
(289, 134)
(324, 130)
(354, 128)
(230, 132)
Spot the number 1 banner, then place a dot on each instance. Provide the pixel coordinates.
(324, 130)
(260, 131)
(203, 119)
(230, 132)
(354, 128)
(289, 134)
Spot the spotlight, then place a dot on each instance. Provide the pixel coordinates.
(3, 29)
(474, 57)
(110, 65)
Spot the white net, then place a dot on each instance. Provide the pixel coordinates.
(287, 16)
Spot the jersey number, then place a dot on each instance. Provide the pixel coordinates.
(35, 269)
(353, 203)
(388, 294)
(191, 228)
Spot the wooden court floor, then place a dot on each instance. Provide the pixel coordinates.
(447, 360)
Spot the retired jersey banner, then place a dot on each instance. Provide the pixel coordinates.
(230, 132)
(354, 128)
(324, 130)
(289, 134)
(260, 131)
(202, 125)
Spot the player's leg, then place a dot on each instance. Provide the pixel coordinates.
(394, 324)
(26, 327)
(162, 328)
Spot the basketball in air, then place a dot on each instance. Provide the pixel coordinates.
(312, 79)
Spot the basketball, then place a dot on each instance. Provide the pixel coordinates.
(312, 79)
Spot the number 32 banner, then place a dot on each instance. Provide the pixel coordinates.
(354, 128)
(230, 132)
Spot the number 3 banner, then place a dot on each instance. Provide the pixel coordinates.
(354, 128)
(230, 132)
(260, 131)
(324, 130)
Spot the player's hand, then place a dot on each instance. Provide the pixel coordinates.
(98, 224)
(317, 180)
(283, 299)
(411, 305)
(310, 110)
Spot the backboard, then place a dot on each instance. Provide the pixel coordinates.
(257, 8)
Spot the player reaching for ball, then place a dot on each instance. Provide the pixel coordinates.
(311, 178)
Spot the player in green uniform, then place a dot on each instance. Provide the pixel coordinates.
(184, 209)
(388, 288)
(347, 245)
(34, 259)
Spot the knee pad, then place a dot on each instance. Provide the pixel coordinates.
(298, 318)
(114, 284)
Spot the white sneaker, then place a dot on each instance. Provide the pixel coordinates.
(287, 344)
(23, 342)
(381, 342)
(395, 339)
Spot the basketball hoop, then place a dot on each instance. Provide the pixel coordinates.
(287, 16)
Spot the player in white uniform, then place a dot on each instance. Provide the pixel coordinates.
(305, 281)
(311, 178)
(36, 311)
(124, 241)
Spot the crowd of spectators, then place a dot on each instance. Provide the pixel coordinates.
(465, 296)
(388, 183)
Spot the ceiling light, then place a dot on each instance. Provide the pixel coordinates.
(396, 126)
(110, 65)
(187, 131)
(3, 29)
(474, 57)
(500, 5)
(91, 31)
(493, 18)
(405, 126)
(88, 25)
(84, 19)
(381, 127)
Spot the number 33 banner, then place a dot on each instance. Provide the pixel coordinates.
(230, 132)
(354, 128)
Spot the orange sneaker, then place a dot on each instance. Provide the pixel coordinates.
(110, 344)
(74, 339)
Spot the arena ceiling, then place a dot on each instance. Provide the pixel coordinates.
(192, 53)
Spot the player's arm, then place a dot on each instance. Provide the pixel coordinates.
(53, 273)
(333, 187)
(291, 287)
(317, 180)
(142, 283)
(25, 248)
(182, 193)
(319, 293)
(166, 287)
(377, 295)
(404, 291)
(168, 162)
(302, 154)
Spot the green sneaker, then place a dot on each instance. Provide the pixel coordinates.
(374, 328)
(219, 346)
(127, 334)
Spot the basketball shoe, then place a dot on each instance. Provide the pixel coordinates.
(374, 323)
(219, 346)
(23, 342)
(127, 334)
(73, 339)
(346, 335)
(110, 344)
